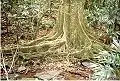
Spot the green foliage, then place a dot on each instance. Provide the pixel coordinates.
(103, 12)
(108, 66)
(106, 13)
(25, 17)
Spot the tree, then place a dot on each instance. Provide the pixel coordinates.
(70, 36)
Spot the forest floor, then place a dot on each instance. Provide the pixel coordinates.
(34, 68)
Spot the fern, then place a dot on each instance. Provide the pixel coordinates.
(108, 66)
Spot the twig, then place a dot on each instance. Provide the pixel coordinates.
(6, 73)
(13, 60)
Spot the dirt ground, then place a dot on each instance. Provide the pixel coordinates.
(32, 69)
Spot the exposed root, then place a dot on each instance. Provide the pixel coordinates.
(42, 47)
(50, 37)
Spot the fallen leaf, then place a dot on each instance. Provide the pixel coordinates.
(22, 68)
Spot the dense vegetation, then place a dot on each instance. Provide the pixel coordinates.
(63, 30)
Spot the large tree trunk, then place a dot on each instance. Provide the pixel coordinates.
(74, 27)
